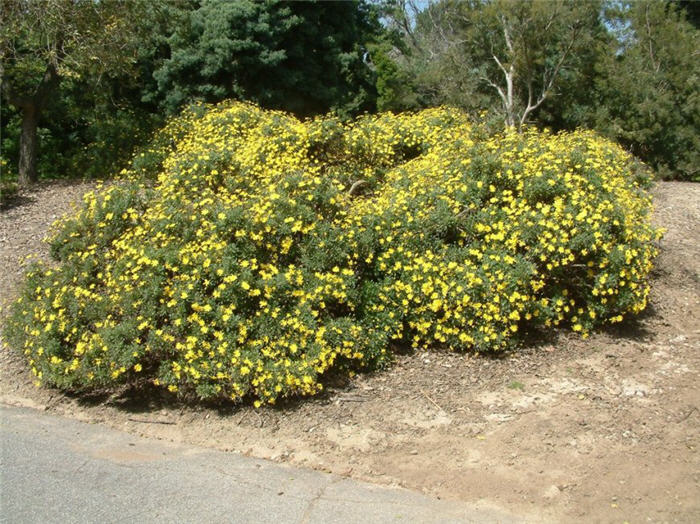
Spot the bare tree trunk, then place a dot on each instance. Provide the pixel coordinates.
(28, 146)
(507, 98)
(510, 104)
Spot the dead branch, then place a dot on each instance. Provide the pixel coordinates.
(432, 401)
(356, 186)
(150, 421)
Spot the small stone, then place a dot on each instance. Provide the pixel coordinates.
(552, 492)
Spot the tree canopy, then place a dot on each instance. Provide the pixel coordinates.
(304, 57)
(84, 83)
(648, 87)
(627, 69)
(45, 41)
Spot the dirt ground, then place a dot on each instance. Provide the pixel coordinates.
(566, 430)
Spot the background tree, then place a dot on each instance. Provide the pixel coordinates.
(43, 42)
(304, 57)
(90, 80)
(505, 55)
(627, 69)
(406, 58)
(648, 87)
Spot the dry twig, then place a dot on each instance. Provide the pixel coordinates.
(149, 421)
(433, 402)
(356, 186)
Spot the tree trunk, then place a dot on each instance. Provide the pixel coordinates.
(510, 103)
(28, 146)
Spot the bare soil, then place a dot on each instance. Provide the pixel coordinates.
(565, 430)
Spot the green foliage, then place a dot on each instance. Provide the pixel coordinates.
(395, 88)
(8, 184)
(251, 254)
(649, 89)
(64, 38)
(84, 133)
(304, 57)
(462, 53)
(44, 43)
(630, 69)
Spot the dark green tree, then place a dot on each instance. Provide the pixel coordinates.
(648, 87)
(305, 57)
(398, 59)
(396, 88)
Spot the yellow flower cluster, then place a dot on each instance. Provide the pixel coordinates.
(249, 253)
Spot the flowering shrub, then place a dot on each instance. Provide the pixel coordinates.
(249, 253)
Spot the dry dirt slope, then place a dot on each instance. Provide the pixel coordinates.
(603, 430)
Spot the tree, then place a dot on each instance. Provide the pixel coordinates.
(648, 87)
(535, 41)
(396, 90)
(400, 59)
(481, 54)
(43, 42)
(305, 57)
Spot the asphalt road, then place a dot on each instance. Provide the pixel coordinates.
(60, 470)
